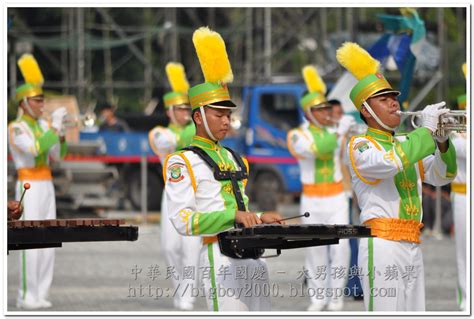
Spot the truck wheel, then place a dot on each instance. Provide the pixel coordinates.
(267, 187)
(155, 190)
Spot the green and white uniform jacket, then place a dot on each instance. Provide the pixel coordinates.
(387, 172)
(198, 204)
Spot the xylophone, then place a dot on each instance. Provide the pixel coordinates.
(251, 242)
(30, 234)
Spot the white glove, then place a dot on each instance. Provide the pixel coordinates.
(444, 138)
(58, 117)
(430, 115)
(441, 139)
(344, 125)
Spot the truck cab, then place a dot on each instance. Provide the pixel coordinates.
(269, 112)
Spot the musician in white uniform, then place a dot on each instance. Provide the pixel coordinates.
(33, 142)
(201, 205)
(181, 252)
(387, 172)
(318, 152)
(458, 200)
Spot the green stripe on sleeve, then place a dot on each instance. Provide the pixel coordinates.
(63, 149)
(419, 144)
(215, 222)
(449, 158)
(47, 140)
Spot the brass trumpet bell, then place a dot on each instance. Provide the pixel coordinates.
(80, 120)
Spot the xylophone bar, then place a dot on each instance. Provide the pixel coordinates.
(65, 222)
(28, 234)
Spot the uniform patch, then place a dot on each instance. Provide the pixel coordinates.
(294, 138)
(175, 174)
(362, 146)
(17, 131)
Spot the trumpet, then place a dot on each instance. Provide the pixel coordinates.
(453, 121)
(87, 119)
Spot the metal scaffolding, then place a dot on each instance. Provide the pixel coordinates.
(264, 45)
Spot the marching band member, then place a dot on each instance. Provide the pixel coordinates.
(318, 152)
(458, 200)
(33, 142)
(387, 172)
(180, 252)
(200, 202)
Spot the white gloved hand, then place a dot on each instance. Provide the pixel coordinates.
(430, 115)
(441, 139)
(444, 138)
(57, 118)
(344, 125)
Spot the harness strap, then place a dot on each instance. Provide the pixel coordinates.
(219, 175)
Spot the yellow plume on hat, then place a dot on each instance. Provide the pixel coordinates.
(210, 49)
(30, 69)
(313, 81)
(356, 60)
(464, 69)
(177, 77)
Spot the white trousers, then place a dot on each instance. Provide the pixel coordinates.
(182, 256)
(233, 284)
(37, 265)
(327, 266)
(393, 275)
(460, 210)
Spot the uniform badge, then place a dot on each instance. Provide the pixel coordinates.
(17, 131)
(175, 173)
(362, 146)
(294, 138)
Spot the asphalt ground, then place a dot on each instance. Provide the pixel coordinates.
(107, 276)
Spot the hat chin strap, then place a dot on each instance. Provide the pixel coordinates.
(312, 119)
(376, 118)
(172, 117)
(206, 127)
(28, 108)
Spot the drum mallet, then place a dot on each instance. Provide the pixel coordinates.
(25, 188)
(298, 216)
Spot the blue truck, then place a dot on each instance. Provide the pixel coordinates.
(268, 112)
